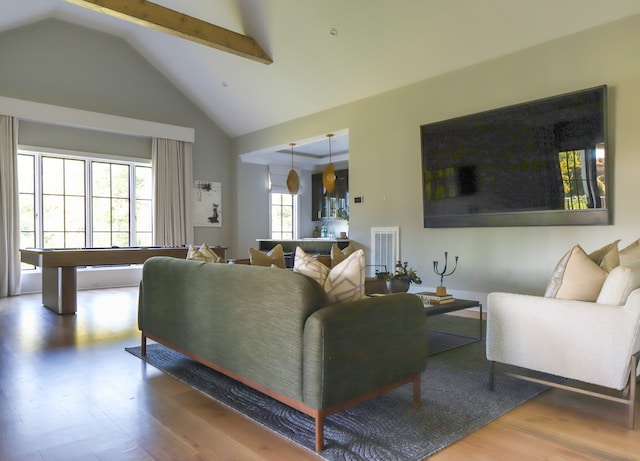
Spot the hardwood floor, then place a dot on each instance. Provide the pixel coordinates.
(69, 391)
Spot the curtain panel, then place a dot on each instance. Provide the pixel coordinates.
(10, 270)
(172, 182)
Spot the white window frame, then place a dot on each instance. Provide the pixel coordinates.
(88, 158)
(295, 220)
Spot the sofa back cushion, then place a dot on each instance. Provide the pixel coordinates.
(619, 284)
(246, 319)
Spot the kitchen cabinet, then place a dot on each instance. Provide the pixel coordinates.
(326, 206)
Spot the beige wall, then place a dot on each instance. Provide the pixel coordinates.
(56, 63)
(385, 158)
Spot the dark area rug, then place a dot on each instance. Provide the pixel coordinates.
(455, 403)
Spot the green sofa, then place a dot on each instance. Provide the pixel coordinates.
(274, 330)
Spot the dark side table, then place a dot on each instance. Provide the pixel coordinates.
(456, 340)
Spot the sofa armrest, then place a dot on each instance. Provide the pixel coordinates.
(353, 348)
(580, 340)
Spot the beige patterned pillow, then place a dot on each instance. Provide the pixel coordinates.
(344, 282)
(576, 276)
(310, 266)
(338, 255)
(204, 253)
(630, 253)
(275, 256)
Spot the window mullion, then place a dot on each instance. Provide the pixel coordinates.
(88, 203)
(133, 219)
(38, 200)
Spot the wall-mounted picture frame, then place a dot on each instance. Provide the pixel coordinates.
(207, 203)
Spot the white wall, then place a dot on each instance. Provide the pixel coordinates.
(252, 207)
(385, 158)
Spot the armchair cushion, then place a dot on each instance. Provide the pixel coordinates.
(619, 284)
(580, 340)
(576, 276)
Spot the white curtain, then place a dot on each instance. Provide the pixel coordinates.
(10, 270)
(172, 183)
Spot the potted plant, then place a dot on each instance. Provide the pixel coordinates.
(399, 281)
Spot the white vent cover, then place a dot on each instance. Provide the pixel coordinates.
(385, 248)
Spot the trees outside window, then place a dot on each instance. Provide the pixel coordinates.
(283, 209)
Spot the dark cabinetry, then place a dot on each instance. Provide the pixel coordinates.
(330, 206)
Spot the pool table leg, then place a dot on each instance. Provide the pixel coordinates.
(59, 289)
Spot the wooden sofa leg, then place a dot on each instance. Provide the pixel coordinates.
(492, 373)
(416, 391)
(320, 430)
(143, 344)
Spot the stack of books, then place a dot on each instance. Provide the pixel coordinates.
(429, 298)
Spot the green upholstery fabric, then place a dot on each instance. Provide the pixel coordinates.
(275, 328)
(354, 349)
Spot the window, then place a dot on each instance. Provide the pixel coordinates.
(27, 198)
(63, 202)
(583, 178)
(72, 202)
(283, 211)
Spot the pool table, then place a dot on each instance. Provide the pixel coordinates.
(59, 268)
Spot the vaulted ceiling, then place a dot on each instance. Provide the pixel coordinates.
(327, 53)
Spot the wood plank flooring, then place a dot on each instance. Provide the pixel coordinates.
(69, 391)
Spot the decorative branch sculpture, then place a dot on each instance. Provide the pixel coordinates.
(441, 291)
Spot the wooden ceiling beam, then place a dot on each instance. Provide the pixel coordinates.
(157, 17)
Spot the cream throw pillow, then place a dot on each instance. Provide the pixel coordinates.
(606, 258)
(338, 255)
(630, 253)
(204, 253)
(344, 282)
(579, 275)
(275, 257)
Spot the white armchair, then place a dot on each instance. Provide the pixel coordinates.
(593, 342)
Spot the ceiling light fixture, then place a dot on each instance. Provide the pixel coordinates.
(293, 182)
(329, 173)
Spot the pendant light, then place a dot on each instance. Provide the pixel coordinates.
(293, 183)
(329, 173)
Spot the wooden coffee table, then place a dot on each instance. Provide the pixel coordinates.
(455, 305)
